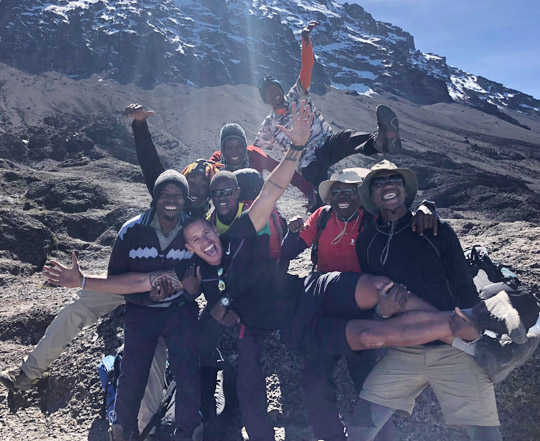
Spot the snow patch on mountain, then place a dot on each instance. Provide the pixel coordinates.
(204, 42)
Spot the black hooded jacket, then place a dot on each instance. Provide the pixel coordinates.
(432, 267)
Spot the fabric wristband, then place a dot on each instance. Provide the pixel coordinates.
(298, 148)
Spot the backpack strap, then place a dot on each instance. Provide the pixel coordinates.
(322, 220)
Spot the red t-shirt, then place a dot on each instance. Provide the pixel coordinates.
(337, 250)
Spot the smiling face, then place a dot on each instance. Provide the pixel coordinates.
(344, 199)
(202, 239)
(388, 192)
(225, 194)
(273, 95)
(199, 189)
(234, 153)
(170, 203)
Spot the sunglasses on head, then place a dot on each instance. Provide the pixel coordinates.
(381, 181)
(349, 192)
(223, 192)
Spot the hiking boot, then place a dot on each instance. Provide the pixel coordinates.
(16, 380)
(497, 314)
(387, 140)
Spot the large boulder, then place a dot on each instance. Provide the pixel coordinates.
(24, 238)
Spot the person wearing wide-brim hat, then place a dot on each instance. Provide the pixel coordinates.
(355, 175)
(435, 269)
(388, 168)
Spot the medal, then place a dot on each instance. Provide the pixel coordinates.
(221, 285)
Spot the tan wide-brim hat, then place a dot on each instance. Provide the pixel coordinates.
(409, 179)
(353, 175)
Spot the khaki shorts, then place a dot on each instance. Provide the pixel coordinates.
(464, 391)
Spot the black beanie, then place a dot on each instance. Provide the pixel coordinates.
(170, 177)
(232, 130)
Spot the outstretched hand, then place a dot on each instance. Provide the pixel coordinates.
(307, 30)
(137, 112)
(60, 275)
(302, 120)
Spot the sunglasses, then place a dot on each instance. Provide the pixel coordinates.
(381, 181)
(348, 192)
(223, 193)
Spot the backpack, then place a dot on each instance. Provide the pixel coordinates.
(108, 372)
(323, 219)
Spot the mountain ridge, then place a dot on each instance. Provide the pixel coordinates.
(211, 43)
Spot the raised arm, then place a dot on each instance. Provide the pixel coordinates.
(281, 176)
(307, 56)
(260, 161)
(147, 156)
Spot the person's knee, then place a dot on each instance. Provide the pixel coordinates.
(359, 337)
(366, 291)
(484, 433)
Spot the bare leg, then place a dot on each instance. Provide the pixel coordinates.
(409, 329)
(368, 289)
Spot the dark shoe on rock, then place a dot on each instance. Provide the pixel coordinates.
(387, 140)
(16, 380)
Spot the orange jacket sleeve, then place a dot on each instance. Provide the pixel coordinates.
(307, 64)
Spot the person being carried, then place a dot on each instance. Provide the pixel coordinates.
(324, 147)
(434, 268)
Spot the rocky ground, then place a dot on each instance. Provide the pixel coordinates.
(68, 181)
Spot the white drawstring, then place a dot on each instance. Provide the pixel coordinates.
(340, 235)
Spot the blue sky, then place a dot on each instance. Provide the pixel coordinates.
(497, 39)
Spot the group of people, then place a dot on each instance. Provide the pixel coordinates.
(384, 276)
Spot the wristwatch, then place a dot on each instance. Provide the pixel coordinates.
(225, 301)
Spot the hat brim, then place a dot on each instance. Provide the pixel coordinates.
(325, 187)
(410, 184)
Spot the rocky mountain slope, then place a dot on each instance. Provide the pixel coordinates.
(68, 180)
(216, 42)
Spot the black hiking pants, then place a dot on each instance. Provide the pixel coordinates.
(250, 380)
(179, 327)
(320, 389)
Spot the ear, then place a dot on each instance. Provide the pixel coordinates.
(189, 248)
